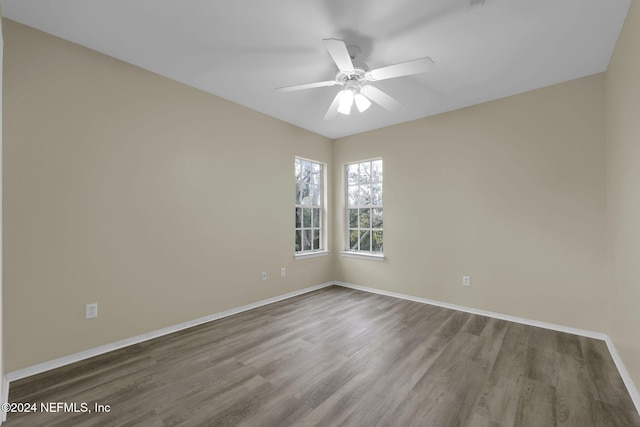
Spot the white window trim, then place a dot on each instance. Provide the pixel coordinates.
(377, 256)
(305, 255)
(363, 255)
(323, 215)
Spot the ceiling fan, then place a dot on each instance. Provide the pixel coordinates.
(354, 77)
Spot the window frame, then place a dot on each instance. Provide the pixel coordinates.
(360, 253)
(299, 219)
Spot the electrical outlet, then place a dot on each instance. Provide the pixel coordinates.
(283, 272)
(466, 280)
(263, 276)
(92, 310)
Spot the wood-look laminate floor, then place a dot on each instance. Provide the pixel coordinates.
(340, 357)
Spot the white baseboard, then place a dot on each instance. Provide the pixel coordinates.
(631, 388)
(515, 319)
(76, 357)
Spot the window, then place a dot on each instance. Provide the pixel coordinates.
(364, 206)
(309, 178)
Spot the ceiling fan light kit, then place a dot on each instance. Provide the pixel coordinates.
(354, 76)
(362, 102)
(346, 102)
(346, 99)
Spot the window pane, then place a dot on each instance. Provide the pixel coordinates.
(306, 197)
(353, 240)
(298, 240)
(315, 195)
(306, 235)
(352, 199)
(309, 177)
(298, 217)
(298, 169)
(376, 218)
(364, 205)
(376, 242)
(376, 172)
(298, 194)
(306, 217)
(376, 194)
(365, 195)
(306, 171)
(353, 218)
(352, 174)
(365, 173)
(365, 240)
(316, 170)
(365, 215)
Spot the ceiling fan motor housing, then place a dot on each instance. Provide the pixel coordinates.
(358, 75)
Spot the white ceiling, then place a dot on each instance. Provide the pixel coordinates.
(241, 50)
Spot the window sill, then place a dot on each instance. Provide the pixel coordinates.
(363, 255)
(305, 255)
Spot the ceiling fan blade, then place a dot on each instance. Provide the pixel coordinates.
(408, 68)
(306, 86)
(333, 108)
(380, 98)
(339, 53)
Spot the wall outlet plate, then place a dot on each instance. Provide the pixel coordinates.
(283, 272)
(466, 280)
(263, 275)
(92, 311)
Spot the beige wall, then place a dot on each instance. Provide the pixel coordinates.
(510, 192)
(158, 201)
(623, 192)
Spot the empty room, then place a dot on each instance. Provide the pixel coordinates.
(320, 213)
